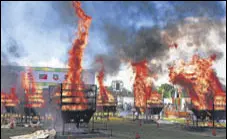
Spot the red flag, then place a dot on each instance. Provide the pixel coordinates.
(43, 76)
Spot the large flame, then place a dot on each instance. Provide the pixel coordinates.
(154, 100)
(28, 81)
(201, 82)
(104, 97)
(9, 99)
(74, 80)
(142, 87)
(33, 96)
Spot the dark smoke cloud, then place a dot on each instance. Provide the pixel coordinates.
(111, 64)
(146, 44)
(198, 31)
(9, 78)
(13, 48)
(136, 45)
(155, 68)
(4, 59)
(224, 88)
(129, 41)
(120, 24)
(218, 53)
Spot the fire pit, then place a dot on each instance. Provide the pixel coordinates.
(77, 102)
(106, 106)
(216, 114)
(10, 101)
(155, 108)
(152, 109)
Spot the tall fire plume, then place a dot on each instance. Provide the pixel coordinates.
(105, 97)
(142, 86)
(201, 82)
(33, 96)
(75, 60)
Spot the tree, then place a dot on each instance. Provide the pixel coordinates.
(166, 90)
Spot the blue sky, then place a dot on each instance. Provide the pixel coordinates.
(43, 31)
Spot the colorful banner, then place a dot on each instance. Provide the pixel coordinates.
(55, 77)
(43, 76)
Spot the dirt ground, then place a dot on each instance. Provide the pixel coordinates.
(126, 129)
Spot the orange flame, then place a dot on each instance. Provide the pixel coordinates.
(28, 81)
(11, 99)
(33, 96)
(76, 55)
(155, 99)
(104, 97)
(200, 80)
(143, 94)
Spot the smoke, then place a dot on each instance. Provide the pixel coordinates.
(31, 30)
(128, 31)
(188, 24)
(111, 64)
(8, 78)
(196, 32)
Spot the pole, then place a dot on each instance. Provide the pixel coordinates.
(61, 92)
(93, 123)
(213, 131)
(133, 115)
(93, 120)
(25, 108)
(146, 108)
(108, 114)
(213, 114)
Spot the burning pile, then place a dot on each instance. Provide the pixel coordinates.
(74, 81)
(201, 82)
(154, 100)
(9, 99)
(143, 94)
(105, 98)
(33, 96)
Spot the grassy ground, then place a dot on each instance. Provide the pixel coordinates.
(183, 121)
(127, 129)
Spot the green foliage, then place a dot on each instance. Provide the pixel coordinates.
(166, 90)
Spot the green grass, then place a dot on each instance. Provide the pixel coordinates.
(176, 120)
(182, 121)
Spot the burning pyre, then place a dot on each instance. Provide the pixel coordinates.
(201, 82)
(33, 96)
(74, 81)
(143, 95)
(9, 99)
(105, 98)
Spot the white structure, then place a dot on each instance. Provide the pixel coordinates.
(125, 100)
